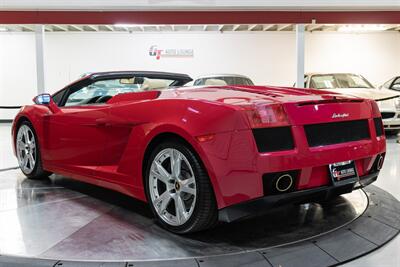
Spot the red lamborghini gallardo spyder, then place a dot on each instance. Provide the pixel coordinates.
(201, 154)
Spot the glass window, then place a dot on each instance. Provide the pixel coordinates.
(57, 97)
(397, 81)
(222, 80)
(388, 84)
(101, 91)
(396, 84)
(333, 81)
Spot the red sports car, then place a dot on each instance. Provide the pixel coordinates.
(202, 154)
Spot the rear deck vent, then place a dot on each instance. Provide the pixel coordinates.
(336, 132)
(274, 139)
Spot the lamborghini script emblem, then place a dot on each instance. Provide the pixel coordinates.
(339, 115)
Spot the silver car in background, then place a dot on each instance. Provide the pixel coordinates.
(356, 85)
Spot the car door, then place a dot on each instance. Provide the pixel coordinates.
(75, 136)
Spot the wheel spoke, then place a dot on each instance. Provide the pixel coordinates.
(180, 209)
(25, 161)
(186, 186)
(20, 145)
(176, 162)
(31, 161)
(32, 143)
(163, 172)
(161, 203)
(160, 177)
(26, 135)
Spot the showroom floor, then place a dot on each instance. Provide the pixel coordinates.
(389, 255)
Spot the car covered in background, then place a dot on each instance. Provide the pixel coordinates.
(201, 154)
(223, 79)
(356, 85)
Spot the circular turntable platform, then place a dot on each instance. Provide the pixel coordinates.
(69, 223)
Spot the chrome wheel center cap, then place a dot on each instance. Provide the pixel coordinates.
(177, 186)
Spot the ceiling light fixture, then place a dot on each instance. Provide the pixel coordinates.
(362, 28)
(126, 25)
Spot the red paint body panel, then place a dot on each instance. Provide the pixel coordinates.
(105, 144)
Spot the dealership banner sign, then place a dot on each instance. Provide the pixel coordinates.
(158, 53)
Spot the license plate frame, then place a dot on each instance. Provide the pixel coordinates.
(344, 170)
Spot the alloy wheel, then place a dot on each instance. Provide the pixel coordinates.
(26, 149)
(172, 187)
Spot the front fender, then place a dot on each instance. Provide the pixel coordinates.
(34, 114)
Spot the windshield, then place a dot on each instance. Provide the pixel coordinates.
(224, 80)
(103, 90)
(334, 81)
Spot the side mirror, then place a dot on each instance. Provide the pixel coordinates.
(46, 100)
(42, 99)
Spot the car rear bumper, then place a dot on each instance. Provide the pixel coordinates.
(261, 205)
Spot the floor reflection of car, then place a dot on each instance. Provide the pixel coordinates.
(223, 79)
(392, 84)
(356, 85)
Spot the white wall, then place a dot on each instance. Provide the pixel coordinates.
(376, 56)
(17, 70)
(268, 58)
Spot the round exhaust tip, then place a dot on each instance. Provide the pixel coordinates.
(284, 183)
(379, 163)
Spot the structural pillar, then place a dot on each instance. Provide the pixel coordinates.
(300, 55)
(39, 37)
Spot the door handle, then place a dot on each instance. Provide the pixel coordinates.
(102, 122)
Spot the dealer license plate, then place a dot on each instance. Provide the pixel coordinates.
(343, 170)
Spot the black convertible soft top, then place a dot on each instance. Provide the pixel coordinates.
(179, 78)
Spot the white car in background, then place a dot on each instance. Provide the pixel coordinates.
(223, 79)
(356, 85)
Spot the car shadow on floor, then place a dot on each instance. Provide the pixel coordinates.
(277, 226)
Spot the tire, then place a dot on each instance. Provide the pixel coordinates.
(199, 206)
(28, 153)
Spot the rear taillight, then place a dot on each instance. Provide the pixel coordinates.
(375, 109)
(379, 129)
(261, 116)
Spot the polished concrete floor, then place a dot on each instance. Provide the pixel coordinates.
(59, 216)
(66, 219)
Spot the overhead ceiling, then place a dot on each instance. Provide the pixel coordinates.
(199, 4)
(198, 28)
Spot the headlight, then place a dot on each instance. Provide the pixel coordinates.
(397, 103)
